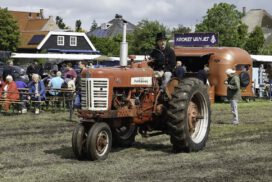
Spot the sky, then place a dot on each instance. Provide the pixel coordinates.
(170, 13)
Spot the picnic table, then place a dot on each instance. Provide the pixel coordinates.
(63, 96)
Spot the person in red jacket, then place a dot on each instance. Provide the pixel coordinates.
(9, 92)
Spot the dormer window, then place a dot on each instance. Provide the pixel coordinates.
(105, 26)
(60, 40)
(73, 41)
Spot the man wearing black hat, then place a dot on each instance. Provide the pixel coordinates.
(163, 58)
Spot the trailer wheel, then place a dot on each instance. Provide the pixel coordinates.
(99, 141)
(124, 136)
(79, 142)
(189, 116)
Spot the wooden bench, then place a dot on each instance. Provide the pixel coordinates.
(64, 96)
(15, 104)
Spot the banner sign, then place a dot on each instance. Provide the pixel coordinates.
(196, 39)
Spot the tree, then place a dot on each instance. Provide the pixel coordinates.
(266, 50)
(9, 32)
(243, 35)
(255, 41)
(141, 41)
(110, 46)
(224, 19)
(60, 23)
(106, 45)
(78, 26)
(181, 29)
(144, 36)
(94, 26)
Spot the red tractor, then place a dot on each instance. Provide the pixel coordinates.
(120, 102)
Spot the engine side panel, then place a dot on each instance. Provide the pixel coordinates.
(124, 77)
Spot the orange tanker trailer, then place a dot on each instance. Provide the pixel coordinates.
(219, 59)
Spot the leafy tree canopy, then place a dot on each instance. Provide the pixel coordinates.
(78, 26)
(181, 29)
(60, 23)
(9, 32)
(255, 41)
(94, 26)
(266, 50)
(144, 36)
(225, 19)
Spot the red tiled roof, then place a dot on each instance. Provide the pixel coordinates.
(26, 37)
(30, 24)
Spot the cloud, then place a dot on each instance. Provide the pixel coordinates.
(168, 12)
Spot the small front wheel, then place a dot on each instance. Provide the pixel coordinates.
(79, 141)
(99, 141)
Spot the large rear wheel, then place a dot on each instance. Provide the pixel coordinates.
(189, 116)
(99, 141)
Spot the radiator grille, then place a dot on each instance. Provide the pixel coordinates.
(94, 93)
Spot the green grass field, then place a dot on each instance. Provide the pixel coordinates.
(38, 148)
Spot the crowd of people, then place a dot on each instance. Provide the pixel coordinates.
(38, 85)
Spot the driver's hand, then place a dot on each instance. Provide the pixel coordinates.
(150, 61)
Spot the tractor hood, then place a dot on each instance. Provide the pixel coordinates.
(122, 76)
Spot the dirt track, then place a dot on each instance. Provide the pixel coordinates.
(38, 148)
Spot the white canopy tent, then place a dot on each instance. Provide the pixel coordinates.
(55, 56)
(69, 56)
(262, 58)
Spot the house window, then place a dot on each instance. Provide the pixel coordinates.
(73, 41)
(60, 40)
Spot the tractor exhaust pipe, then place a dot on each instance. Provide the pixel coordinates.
(124, 47)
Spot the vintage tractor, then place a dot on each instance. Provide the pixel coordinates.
(120, 102)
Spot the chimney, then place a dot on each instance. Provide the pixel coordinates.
(41, 13)
(118, 16)
(244, 11)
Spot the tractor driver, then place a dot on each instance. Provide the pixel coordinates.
(163, 59)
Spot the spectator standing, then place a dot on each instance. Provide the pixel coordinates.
(32, 69)
(63, 68)
(55, 67)
(83, 67)
(9, 92)
(70, 71)
(233, 93)
(8, 69)
(40, 69)
(37, 92)
(163, 58)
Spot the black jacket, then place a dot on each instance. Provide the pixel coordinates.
(164, 59)
(8, 70)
